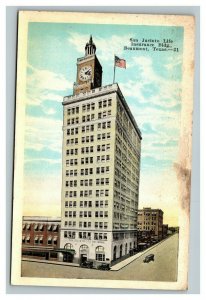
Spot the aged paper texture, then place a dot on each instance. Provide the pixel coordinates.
(102, 169)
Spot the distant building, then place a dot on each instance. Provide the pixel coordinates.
(164, 230)
(172, 230)
(149, 223)
(40, 237)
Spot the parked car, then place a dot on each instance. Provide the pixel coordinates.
(87, 264)
(131, 252)
(104, 266)
(148, 258)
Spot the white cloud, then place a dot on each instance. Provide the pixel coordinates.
(49, 111)
(167, 92)
(46, 80)
(172, 63)
(154, 111)
(41, 132)
(163, 128)
(41, 159)
(51, 97)
(106, 47)
(44, 85)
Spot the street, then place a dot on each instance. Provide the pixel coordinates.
(164, 267)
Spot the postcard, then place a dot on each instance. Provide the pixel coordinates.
(102, 167)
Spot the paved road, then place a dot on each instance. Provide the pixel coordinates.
(164, 268)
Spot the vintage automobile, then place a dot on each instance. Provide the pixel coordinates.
(87, 264)
(104, 266)
(148, 258)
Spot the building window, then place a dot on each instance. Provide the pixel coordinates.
(41, 227)
(49, 241)
(35, 227)
(55, 228)
(100, 254)
(28, 226)
(49, 227)
(68, 245)
(71, 234)
(85, 235)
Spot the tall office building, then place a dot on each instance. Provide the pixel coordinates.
(101, 167)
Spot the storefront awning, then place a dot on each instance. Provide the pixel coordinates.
(72, 251)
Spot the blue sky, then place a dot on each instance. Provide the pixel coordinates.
(151, 85)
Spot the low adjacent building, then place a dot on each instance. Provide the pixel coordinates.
(40, 237)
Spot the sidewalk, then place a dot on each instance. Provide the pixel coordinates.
(130, 259)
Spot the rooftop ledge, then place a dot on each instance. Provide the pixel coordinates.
(101, 91)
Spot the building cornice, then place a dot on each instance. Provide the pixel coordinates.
(41, 219)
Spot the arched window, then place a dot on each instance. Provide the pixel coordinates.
(100, 254)
(68, 246)
(83, 249)
(120, 251)
(100, 249)
(115, 253)
(126, 249)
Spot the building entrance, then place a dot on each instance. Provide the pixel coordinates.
(83, 258)
(68, 257)
(83, 253)
(68, 253)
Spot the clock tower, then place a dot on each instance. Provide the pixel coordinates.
(89, 70)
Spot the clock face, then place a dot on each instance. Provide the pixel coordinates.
(85, 73)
